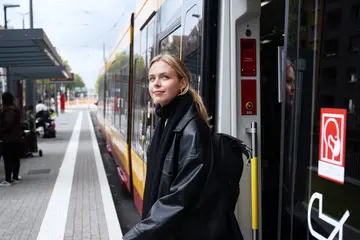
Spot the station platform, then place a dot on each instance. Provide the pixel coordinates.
(65, 193)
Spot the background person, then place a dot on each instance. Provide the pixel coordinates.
(10, 134)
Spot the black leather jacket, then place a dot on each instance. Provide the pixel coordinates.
(189, 205)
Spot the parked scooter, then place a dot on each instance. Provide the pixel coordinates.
(45, 120)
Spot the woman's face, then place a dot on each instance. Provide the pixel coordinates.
(290, 85)
(164, 83)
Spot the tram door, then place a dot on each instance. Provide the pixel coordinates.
(309, 121)
(293, 98)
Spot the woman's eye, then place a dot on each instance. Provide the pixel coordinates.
(165, 77)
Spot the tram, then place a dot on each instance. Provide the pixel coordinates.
(279, 75)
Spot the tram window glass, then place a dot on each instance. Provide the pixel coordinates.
(331, 1)
(140, 97)
(117, 89)
(329, 75)
(123, 98)
(308, 139)
(326, 100)
(331, 47)
(149, 117)
(354, 45)
(169, 11)
(333, 18)
(107, 95)
(349, 105)
(352, 75)
(112, 97)
(191, 45)
(123, 101)
(171, 43)
(355, 12)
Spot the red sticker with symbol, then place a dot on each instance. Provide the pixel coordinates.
(332, 144)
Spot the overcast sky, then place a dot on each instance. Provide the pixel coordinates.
(76, 28)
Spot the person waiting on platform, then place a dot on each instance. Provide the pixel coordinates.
(182, 197)
(10, 135)
(41, 107)
(42, 114)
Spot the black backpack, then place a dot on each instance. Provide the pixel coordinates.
(228, 155)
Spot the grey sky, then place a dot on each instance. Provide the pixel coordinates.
(76, 28)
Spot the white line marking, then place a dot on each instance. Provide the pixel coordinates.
(112, 220)
(54, 221)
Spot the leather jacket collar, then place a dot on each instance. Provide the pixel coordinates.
(189, 115)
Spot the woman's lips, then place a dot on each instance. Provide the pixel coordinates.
(158, 92)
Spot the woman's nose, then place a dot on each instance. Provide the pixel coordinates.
(157, 81)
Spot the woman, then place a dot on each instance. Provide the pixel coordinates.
(10, 134)
(181, 198)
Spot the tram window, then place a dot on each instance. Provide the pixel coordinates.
(333, 18)
(120, 72)
(329, 75)
(150, 42)
(117, 96)
(331, 47)
(352, 75)
(355, 12)
(112, 98)
(354, 45)
(124, 89)
(149, 116)
(191, 45)
(349, 105)
(170, 10)
(171, 44)
(140, 97)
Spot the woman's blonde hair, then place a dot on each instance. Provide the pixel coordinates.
(183, 73)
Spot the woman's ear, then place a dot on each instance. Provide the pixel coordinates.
(184, 82)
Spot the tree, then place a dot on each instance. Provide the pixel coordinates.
(66, 65)
(78, 83)
(49, 86)
(121, 61)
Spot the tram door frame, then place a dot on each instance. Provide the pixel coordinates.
(240, 19)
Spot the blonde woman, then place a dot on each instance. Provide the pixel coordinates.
(181, 198)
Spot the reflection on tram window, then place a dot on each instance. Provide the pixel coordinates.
(192, 45)
(325, 77)
(352, 75)
(354, 45)
(142, 104)
(355, 12)
(120, 69)
(171, 44)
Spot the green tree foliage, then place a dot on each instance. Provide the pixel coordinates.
(77, 83)
(121, 61)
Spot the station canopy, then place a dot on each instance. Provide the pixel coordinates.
(30, 55)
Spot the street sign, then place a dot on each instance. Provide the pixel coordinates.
(332, 144)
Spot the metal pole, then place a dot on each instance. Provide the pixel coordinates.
(8, 82)
(31, 15)
(30, 83)
(254, 180)
(5, 18)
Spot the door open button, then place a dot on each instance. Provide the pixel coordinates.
(249, 106)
